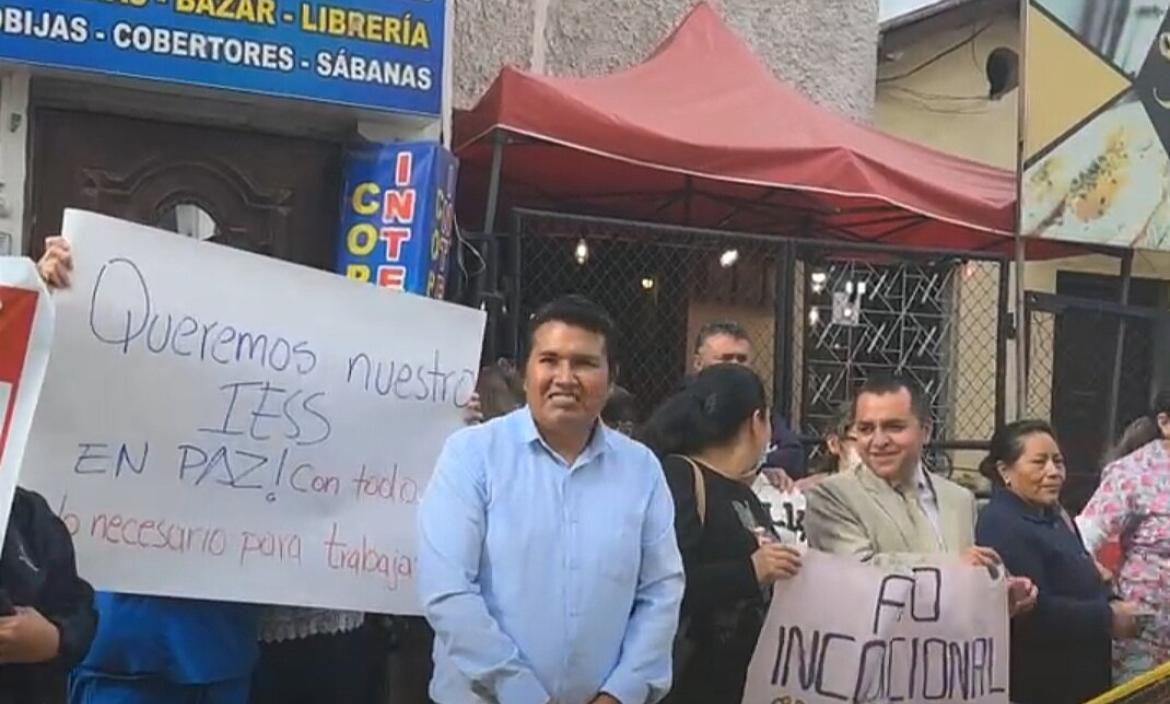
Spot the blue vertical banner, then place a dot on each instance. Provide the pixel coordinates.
(398, 216)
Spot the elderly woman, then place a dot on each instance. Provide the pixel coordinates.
(1059, 651)
(1132, 504)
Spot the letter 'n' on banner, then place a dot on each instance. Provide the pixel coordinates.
(26, 333)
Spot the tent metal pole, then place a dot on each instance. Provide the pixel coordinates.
(493, 196)
(1002, 333)
(1118, 349)
(784, 331)
(1020, 328)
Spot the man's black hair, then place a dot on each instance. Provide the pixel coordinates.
(581, 312)
(720, 327)
(882, 384)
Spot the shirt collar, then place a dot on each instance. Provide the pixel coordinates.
(1038, 514)
(921, 482)
(600, 440)
(916, 482)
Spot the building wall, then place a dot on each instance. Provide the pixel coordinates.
(945, 106)
(826, 49)
(21, 88)
(13, 157)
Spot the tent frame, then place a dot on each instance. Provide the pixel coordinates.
(790, 242)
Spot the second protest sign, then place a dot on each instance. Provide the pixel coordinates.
(842, 631)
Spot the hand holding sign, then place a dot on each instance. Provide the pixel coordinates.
(1022, 595)
(978, 556)
(773, 561)
(56, 263)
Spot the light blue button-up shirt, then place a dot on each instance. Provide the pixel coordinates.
(545, 581)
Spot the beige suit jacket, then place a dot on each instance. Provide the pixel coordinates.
(858, 514)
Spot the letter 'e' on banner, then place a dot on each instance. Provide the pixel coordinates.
(26, 333)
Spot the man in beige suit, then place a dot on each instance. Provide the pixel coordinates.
(890, 510)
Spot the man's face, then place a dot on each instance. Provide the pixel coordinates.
(566, 381)
(722, 348)
(889, 436)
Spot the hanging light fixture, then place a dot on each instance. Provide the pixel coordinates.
(819, 279)
(581, 251)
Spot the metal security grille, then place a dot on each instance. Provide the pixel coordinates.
(822, 316)
(936, 320)
(660, 291)
(1076, 379)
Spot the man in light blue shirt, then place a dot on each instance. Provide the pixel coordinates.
(548, 565)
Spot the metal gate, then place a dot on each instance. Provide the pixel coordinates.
(823, 315)
(1089, 381)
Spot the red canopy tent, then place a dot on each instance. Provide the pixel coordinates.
(703, 134)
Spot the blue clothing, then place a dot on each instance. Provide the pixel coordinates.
(180, 641)
(787, 450)
(544, 580)
(93, 689)
(1060, 652)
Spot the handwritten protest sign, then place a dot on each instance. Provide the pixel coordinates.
(222, 425)
(26, 331)
(842, 631)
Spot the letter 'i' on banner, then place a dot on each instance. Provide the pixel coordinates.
(26, 330)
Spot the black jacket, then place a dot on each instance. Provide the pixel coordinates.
(725, 604)
(1060, 652)
(38, 570)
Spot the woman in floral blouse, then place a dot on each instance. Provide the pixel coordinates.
(1132, 504)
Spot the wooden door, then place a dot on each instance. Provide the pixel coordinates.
(268, 194)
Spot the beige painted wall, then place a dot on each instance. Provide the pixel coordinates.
(945, 105)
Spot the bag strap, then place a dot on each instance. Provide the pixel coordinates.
(700, 490)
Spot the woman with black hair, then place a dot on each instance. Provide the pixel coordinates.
(1059, 650)
(1132, 504)
(711, 437)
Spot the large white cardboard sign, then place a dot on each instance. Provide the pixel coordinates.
(26, 332)
(842, 631)
(222, 425)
